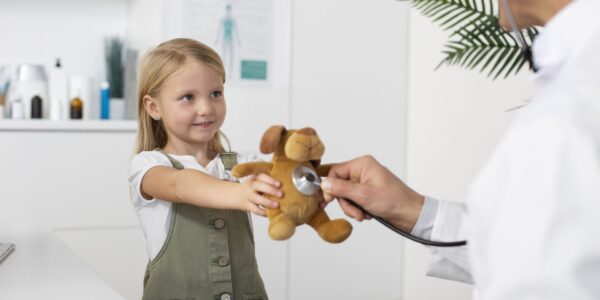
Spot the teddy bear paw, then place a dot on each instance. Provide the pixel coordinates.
(335, 231)
(281, 229)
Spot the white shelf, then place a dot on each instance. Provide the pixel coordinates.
(69, 125)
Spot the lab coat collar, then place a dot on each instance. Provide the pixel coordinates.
(564, 35)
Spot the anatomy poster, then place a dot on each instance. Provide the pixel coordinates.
(242, 32)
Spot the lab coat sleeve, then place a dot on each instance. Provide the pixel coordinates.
(447, 225)
(424, 224)
(549, 247)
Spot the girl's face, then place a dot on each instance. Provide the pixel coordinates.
(191, 105)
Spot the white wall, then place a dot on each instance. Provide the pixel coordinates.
(455, 118)
(349, 82)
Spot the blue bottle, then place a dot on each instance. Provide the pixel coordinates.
(104, 101)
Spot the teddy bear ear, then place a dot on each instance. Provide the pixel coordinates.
(270, 139)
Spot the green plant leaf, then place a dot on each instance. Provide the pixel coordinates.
(477, 40)
(115, 71)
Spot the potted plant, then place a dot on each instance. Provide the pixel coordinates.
(113, 51)
(477, 40)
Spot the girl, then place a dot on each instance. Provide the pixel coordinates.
(199, 238)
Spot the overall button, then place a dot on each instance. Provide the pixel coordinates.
(219, 223)
(223, 261)
(226, 297)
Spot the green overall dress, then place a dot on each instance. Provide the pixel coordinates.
(208, 255)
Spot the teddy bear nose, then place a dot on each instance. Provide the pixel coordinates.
(307, 131)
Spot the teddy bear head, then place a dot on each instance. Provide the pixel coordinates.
(298, 145)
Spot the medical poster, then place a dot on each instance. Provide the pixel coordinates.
(242, 32)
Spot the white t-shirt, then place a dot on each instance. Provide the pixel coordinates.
(155, 214)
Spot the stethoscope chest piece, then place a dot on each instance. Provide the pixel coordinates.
(306, 180)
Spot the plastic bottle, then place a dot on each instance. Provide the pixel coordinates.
(16, 109)
(36, 107)
(104, 100)
(58, 92)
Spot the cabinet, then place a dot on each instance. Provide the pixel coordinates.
(72, 177)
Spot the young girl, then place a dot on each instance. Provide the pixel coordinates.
(197, 229)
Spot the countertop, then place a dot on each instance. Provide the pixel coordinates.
(42, 267)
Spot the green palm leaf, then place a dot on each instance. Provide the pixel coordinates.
(477, 40)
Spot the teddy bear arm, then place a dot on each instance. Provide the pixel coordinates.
(246, 169)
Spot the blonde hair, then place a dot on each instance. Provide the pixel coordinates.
(156, 66)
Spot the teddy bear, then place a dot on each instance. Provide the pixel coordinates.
(293, 149)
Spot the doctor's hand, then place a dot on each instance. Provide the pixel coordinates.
(365, 181)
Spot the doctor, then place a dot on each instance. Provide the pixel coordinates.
(532, 216)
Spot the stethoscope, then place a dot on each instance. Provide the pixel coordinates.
(525, 48)
(308, 183)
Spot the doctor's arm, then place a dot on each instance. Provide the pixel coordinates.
(375, 188)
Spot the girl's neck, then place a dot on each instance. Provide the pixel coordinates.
(202, 153)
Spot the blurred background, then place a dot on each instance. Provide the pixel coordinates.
(360, 72)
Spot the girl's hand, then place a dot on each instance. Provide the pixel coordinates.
(252, 190)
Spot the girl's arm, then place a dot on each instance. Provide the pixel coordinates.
(197, 188)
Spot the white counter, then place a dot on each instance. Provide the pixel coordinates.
(44, 125)
(42, 267)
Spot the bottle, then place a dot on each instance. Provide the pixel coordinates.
(58, 92)
(16, 109)
(76, 108)
(104, 101)
(31, 81)
(36, 107)
(3, 93)
(2, 99)
(80, 87)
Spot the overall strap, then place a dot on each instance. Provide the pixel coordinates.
(176, 164)
(229, 160)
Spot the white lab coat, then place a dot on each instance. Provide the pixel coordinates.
(532, 216)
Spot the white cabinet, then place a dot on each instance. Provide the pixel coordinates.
(72, 177)
(66, 174)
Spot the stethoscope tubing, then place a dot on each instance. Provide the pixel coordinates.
(308, 182)
(406, 234)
